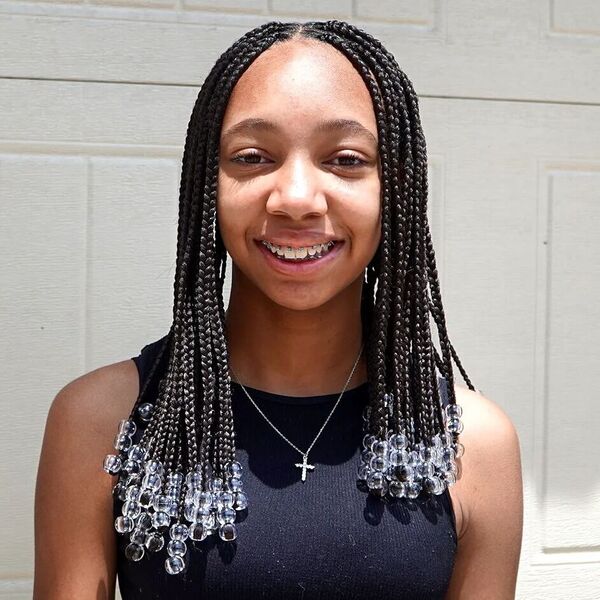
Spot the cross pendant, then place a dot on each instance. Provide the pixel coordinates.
(304, 466)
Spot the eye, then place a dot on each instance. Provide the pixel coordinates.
(358, 161)
(247, 158)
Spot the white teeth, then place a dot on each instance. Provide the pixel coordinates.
(287, 252)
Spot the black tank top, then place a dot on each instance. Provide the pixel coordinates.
(323, 538)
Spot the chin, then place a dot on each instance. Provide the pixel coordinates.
(298, 299)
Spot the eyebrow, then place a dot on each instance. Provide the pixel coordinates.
(253, 124)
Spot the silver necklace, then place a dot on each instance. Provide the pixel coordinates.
(304, 465)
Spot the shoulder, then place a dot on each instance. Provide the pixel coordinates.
(491, 497)
(98, 397)
(74, 539)
(492, 451)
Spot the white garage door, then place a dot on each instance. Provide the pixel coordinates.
(95, 101)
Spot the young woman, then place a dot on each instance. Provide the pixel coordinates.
(301, 443)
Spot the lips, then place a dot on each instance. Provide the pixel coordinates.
(302, 253)
(299, 267)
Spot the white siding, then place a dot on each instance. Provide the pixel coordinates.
(95, 99)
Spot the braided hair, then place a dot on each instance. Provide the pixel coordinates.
(190, 425)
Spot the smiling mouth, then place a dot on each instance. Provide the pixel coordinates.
(303, 253)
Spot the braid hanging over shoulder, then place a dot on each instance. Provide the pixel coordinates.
(176, 465)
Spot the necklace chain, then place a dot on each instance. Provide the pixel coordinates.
(304, 465)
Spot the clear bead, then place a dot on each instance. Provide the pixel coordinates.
(175, 479)
(413, 458)
(437, 441)
(240, 501)
(454, 425)
(459, 449)
(380, 448)
(124, 524)
(397, 489)
(216, 484)
(235, 484)
(364, 471)
(144, 521)
(134, 551)
(198, 532)
(367, 455)
(173, 492)
(375, 480)
(154, 541)
(226, 515)
(425, 469)
(162, 503)
(152, 481)
(398, 441)
(112, 464)
(378, 463)
(234, 469)
(176, 548)
(449, 478)
(174, 565)
(205, 499)
(404, 473)
(450, 467)
(428, 453)
(428, 485)
(122, 442)
(131, 509)
(448, 454)
(179, 531)
(131, 466)
(413, 489)
(454, 410)
(209, 520)
(154, 467)
(193, 497)
(368, 441)
(133, 479)
(147, 498)
(439, 486)
(193, 480)
(137, 453)
(133, 493)
(161, 520)
(145, 411)
(138, 536)
(380, 491)
(120, 490)
(189, 512)
(228, 532)
(397, 457)
(224, 499)
(127, 427)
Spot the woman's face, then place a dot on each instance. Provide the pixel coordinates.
(299, 167)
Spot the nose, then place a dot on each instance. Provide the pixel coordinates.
(296, 191)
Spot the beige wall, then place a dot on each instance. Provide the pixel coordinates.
(95, 99)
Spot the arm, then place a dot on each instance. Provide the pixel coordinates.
(491, 491)
(75, 553)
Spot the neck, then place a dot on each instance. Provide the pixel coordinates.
(294, 352)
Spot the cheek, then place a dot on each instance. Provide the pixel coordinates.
(228, 215)
(364, 217)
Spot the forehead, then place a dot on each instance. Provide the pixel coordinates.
(304, 78)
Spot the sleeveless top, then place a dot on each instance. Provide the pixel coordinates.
(322, 538)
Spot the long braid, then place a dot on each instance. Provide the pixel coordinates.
(191, 433)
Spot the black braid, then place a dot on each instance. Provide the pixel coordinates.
(193, 425)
